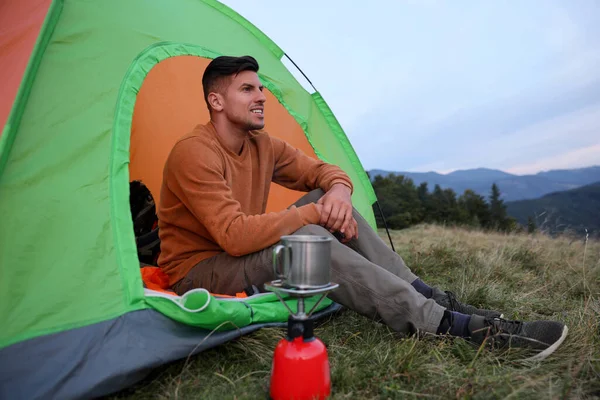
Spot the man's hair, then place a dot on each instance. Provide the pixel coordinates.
(221, 68)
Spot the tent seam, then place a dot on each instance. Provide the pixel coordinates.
(60, 328)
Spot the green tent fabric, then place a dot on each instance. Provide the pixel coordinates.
(68, 261)
(198, 308)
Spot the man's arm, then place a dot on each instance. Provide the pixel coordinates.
(195, 175)
(296, 170)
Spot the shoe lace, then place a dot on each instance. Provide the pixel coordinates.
(454, 303)
(499, 325)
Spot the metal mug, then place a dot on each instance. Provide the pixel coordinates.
(306, 261)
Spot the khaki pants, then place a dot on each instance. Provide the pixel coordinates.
(374, 280)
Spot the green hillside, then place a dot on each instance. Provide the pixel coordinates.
(573, 210)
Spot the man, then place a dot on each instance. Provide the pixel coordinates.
(215, 233)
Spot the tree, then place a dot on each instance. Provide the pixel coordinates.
(408, 199)
(476, 209)
(436, 204)
(531, 227)
(425, 200)
(384, 192)
(498, 213)
(403, 204)
(444, 207)
(399, 201)
(454, 214)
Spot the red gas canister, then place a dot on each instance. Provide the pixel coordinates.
(300, 365)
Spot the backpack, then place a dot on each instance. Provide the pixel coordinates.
(145, 223)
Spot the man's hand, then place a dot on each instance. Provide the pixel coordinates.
(351, 232)
(336, 214)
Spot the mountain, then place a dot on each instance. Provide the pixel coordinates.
(513, 187)
(574, 210)
(478, 174)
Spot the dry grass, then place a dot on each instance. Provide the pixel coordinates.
(526, 277)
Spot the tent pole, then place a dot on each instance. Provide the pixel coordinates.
(377, 202)
(385, 224)
(302, 72)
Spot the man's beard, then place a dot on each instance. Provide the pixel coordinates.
(246, 123)
(252, 126)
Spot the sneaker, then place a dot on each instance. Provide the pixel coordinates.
(542, 336)
(448, 300)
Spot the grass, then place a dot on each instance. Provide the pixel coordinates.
(526, 277)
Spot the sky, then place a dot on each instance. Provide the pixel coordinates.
(425, 85)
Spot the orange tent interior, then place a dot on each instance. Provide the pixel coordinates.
(170, 103)
(20, 24)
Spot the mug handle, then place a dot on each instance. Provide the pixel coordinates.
(276, 252)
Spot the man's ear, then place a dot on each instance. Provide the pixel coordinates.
(216, 101)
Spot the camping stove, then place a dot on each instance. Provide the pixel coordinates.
(300, 364)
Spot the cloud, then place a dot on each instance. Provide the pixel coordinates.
(561, 138)
(510, 130)
(543, 103)
(582, 157)
(567, 139)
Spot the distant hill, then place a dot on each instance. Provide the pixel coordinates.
(513, 187)
(575, 210)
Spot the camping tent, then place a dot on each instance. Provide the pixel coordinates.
(93, 95)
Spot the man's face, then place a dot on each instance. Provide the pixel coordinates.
(244, 100)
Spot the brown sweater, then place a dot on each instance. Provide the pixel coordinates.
(213, 200)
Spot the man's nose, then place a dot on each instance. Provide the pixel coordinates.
(261, 97)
